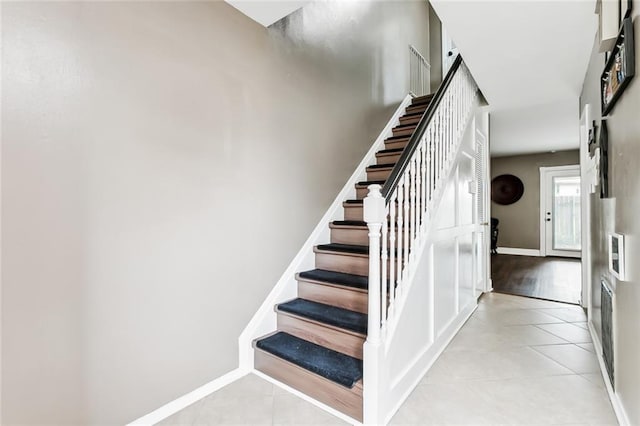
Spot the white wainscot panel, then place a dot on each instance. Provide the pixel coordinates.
(413, 334)
(465, 271)
(465, 198)
(446, 212)
(445, 297)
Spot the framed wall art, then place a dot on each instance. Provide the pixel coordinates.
(619, 69)
(617, 259)
(603, 159)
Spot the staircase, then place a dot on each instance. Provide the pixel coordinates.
(318, 346)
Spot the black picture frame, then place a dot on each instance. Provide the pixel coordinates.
(619, 69)
(603, 145)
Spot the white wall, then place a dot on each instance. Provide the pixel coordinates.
(162, 163)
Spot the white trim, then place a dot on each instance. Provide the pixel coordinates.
(307, 398)
(264, 320)
(618, 408)
(621, 273)
(542, 207)
(184, 401)
(586, 126)
(519, 251)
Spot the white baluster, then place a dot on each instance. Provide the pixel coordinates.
(407, 222)
(392, 250)
(423, 182)
(400, 244)
(384, 276)
(414, 202)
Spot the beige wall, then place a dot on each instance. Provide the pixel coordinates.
(520, 222)
(619, 213)
(435, 49)
(162, 162)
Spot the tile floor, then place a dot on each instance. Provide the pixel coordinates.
(516, 361)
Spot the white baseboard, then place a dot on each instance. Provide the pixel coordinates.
(618, 408)
(518, 251)
(184, 401)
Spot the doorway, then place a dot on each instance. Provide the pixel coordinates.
(560, 214)
(554, 272)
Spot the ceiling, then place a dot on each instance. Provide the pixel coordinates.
(530, 59)
(266, 12)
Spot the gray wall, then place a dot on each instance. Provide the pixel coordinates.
(435, 49)
(619, 213)
(162, 162)
(520, 222)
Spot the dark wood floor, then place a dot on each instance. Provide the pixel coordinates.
(551, 278)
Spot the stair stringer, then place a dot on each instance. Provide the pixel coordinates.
(264, 320)
(416, 340)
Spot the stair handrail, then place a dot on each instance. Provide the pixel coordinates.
(414, 140)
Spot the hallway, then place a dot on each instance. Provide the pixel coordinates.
(550, 278)
(516, 361)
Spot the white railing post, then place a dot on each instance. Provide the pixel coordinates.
(374, 215)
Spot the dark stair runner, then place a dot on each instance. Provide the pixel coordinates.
(327, 314)
(332, 365)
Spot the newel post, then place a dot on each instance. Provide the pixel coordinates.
(374, 214)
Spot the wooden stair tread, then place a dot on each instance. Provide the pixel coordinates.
(422, 99)
(381, 166)
(397, 138)
(335, 366)
(349, 321)
(348, 224)
(411, 115)
(390, 151)
(405, 126)
(330, 277)
(366, 183)
(343, 248)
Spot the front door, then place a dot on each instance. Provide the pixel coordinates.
(560, 211)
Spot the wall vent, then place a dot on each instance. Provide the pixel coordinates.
(607, 328)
